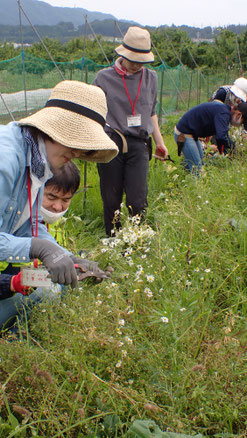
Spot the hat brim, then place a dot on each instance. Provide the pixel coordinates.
(142, 58)
(74, 131)
(238, 93)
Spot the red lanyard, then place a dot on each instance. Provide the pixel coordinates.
(138, 92)
(30, 204)
(35, 262)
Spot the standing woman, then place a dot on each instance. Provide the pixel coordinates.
(69, 126)
(131, 94)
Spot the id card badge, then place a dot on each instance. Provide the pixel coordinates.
(135, 120)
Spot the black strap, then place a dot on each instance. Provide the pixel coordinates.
(136, 50)
(76, 108)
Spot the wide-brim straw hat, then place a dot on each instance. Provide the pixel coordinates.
(136, 46)
(238, 92)
(74, 116)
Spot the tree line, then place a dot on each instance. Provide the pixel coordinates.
(227, 51)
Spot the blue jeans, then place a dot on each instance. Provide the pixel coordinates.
(20, 306)
(193, 154)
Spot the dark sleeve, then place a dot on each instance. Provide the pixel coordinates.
(222, 121)
(5, 291)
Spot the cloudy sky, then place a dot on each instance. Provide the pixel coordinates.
(157, 12)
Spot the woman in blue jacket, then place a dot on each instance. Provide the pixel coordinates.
(69, 126)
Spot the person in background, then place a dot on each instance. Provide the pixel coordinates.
(232, 94)
(205, 120)
(69, 126)
(131, 94)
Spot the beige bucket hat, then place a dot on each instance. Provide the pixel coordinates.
(74, 116)
(136, 46)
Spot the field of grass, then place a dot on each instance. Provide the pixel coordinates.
(159, 350)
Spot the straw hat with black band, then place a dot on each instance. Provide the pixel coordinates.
(74, 116)
(136, 46)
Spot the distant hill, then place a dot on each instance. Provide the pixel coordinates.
(41, 13)
(67, 23)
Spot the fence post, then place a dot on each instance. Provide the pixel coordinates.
(23, 58)
(161, 94)
(178, 84)
(71, 69)
(190, 86)
(198, 86)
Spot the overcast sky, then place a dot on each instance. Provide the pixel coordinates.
(157, 12)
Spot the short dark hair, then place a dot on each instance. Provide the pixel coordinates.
(65, 178)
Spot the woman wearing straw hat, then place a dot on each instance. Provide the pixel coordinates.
(69, 126)
(131, 93)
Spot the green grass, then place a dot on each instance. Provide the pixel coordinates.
(164, 339)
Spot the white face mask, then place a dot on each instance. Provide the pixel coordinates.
(51, 217)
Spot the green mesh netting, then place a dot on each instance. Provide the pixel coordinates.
(179, 87)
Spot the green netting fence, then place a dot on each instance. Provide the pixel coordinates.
(179, 87)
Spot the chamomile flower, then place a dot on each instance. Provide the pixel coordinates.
(148, 292)
(164, 319)
(121, 322)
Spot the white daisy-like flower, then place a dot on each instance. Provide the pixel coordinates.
(164, 319)
(182, 309)
(150, 278)
(121, 322)
(207, 270)
(148, 292)
(118, 364)
(128, 340)
(124, 353)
